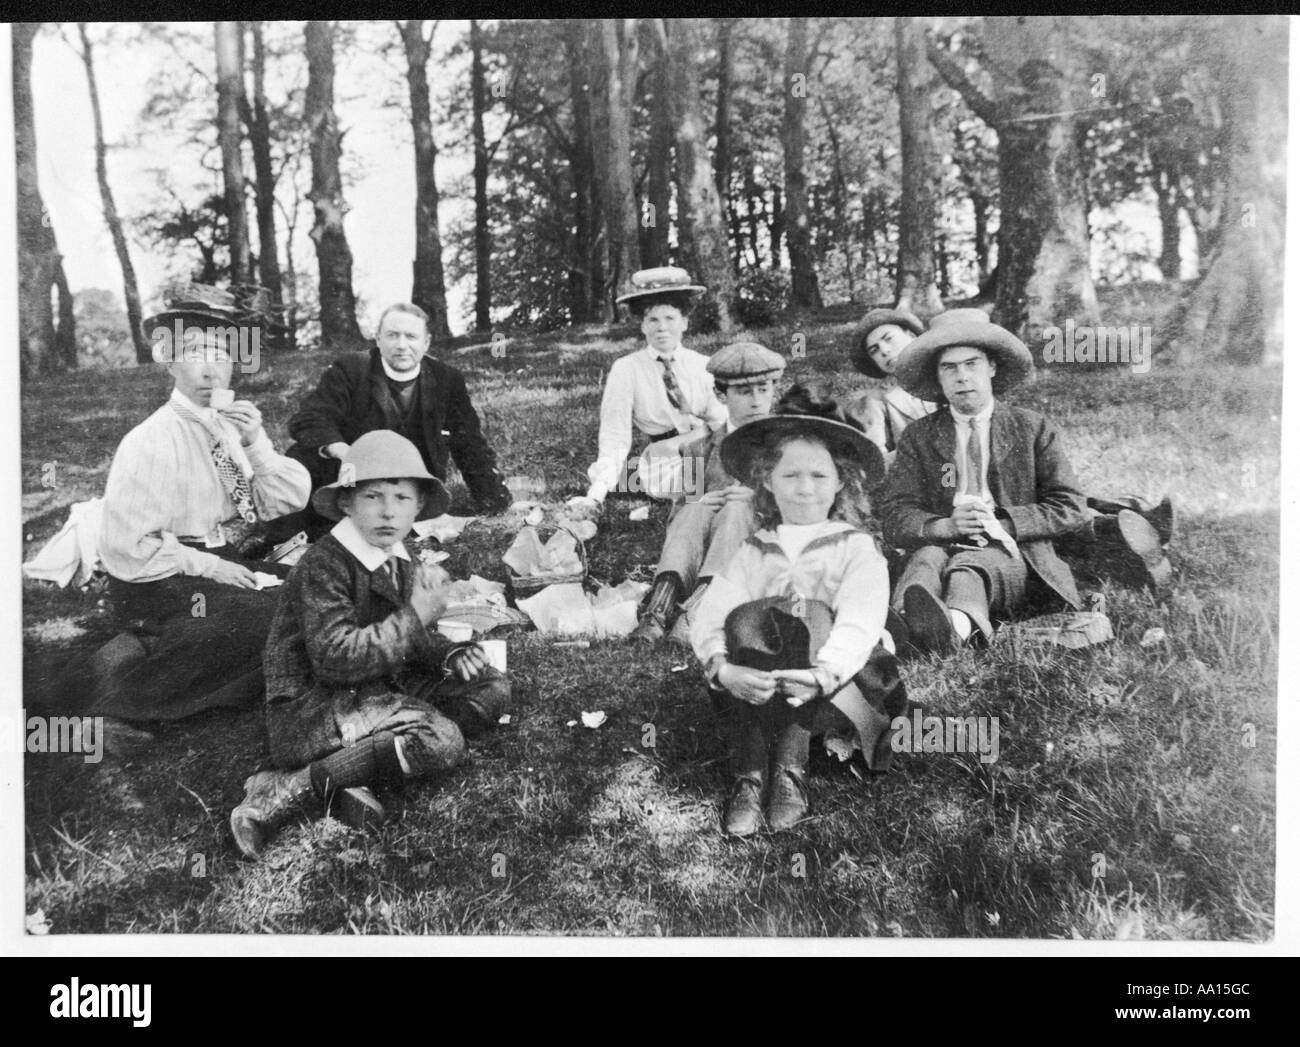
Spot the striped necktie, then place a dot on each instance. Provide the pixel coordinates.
(670, 384)
(974, 459)
(233, 481)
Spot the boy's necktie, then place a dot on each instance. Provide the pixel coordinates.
(670, 384)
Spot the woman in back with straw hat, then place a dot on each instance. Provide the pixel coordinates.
(661, 390)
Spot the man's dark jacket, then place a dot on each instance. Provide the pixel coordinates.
(1029, 476)
(353, 398)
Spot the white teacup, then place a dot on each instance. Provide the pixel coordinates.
(456, 632)
(495, 651)
(221, 398)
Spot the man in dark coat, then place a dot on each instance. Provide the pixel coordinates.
(978, 491)
(397, 386)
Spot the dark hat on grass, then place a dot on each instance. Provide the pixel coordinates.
(665, 285)
(917, 369)
(803, 411)
(777, 632)
(381, 455)
(744, 363)
(858, 352)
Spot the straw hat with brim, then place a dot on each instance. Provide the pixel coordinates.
(860, 355)
(200, 305)
(666, 284)
(743, 447)
(917, 369)
(381, 455)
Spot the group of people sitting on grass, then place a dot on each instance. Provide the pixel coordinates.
(790, 517)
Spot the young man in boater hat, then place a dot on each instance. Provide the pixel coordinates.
(1126, 532)
(977, 492)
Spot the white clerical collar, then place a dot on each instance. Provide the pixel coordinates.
(371, 556)
(982, 417)
(401, 376)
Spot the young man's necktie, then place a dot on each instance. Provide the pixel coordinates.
(974, 460)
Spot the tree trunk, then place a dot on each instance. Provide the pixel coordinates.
(804, 292)
(1043, 271)
(482, 228)
(130, 290)
(42, 349)
(582, 279)
(1234, 311)
(428, 286)
(699, 209)
(230, 92)
(915, 286)
(259, 137)
(618, 37)
(338, 304)
(722, 122)
(1164, 184)
(980, 207)
(654, 220)
(776, 226)
(598, 136)
(753, 210)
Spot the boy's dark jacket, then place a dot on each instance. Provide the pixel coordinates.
(1029, 476)
(344, 642)
(353, 399)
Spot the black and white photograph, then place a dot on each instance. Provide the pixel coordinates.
(698, 478)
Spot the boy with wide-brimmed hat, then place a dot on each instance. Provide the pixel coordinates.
(361, 690)
(713, 513)
(662, 390)
(978, 491)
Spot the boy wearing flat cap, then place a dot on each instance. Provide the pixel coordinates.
(361, 691)
(662, 389)
(714, 511)
(978, 491)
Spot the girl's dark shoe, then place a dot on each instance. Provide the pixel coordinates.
(745, 809)
(787, 797)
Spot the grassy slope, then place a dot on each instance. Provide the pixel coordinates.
(1121, 760)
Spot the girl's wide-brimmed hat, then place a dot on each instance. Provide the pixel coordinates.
(917, 369)
(858, 352)
(200, 305)
(381, 455)
(743, 448)
(666, 284)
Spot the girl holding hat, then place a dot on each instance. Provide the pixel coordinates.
(662, 389)
(361, 689)
(785, 630)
